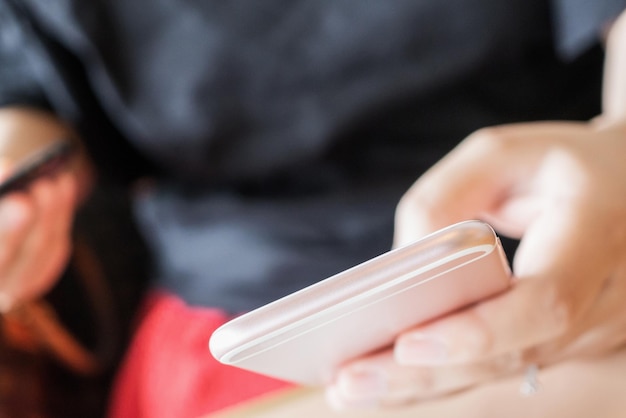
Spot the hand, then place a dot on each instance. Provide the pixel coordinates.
(561, 187)
(35, 223)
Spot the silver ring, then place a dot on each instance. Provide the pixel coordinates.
(530, 386)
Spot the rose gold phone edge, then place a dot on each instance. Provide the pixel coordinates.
(363, 308)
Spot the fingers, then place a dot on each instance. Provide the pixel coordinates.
(46, 249)
(379, 380)
(34, 230)
(472, 179)
(17, 215)
(570, 244)
(599, 332)
(544, 304)
(455, 189)
(491, 175)
(558, 186)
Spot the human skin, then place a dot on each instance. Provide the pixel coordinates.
(560, 187)
(35, 223)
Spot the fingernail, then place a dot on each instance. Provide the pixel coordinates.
(363, 382)
(421, 350)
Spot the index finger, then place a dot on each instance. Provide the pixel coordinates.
(486, 170)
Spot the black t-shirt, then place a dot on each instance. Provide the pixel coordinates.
(281, 134)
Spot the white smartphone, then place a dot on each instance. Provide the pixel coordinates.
(304, 337)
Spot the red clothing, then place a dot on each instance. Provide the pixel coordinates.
(169, 372)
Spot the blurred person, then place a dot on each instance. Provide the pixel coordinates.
(267, 145)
